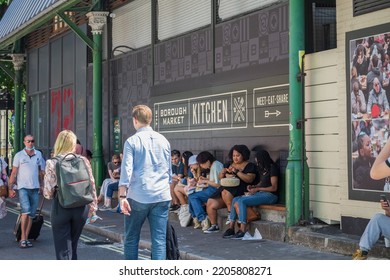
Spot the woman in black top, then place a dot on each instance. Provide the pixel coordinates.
(241, 168)
(262, 193)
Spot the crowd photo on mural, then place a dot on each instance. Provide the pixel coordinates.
(369, 89)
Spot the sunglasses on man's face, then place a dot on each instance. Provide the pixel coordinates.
(30, 141)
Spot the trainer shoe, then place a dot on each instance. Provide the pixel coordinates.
(360, 255)
(239, 235)
(205, 224)
(105, 208)
(212, 229)
(197, 224)
(174, 208)
(229, 233)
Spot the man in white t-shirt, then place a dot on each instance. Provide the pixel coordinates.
(27, 170)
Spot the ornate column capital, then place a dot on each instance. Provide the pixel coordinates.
(18, 60)
(97, 20)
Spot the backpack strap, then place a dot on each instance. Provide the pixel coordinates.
(70, 154)
(57, 160)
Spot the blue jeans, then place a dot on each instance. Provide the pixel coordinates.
(196, 201)
(157, 214)
(28, 199)
(379, 225)
(259, 198)
(111, 188)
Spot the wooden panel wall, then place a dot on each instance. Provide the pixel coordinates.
(322, 134)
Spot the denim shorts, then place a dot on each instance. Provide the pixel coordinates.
(28, 199)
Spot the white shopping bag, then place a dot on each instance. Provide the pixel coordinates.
(256, 236)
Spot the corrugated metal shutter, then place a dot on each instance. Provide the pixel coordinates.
(232, 8)
(132, 26)
(176, 17)
(361, 7)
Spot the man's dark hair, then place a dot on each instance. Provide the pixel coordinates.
(204, 156)
(175, 153)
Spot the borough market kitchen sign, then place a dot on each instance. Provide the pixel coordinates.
(218, 111)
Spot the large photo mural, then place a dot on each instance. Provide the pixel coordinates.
(368, 95)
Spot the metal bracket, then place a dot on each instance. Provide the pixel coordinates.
(300, 123)
(301, 76)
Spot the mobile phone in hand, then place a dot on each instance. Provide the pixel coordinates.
(384, 198)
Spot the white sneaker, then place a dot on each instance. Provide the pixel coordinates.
(205, 224)
(105, 208)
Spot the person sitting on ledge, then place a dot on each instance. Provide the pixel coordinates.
(380, 223)
(113, 168)
(262, 193)
(242, 169)
(210, 184)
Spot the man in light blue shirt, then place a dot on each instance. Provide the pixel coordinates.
(144, 185)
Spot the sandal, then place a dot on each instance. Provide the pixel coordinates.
(23, 244)
(29, 244)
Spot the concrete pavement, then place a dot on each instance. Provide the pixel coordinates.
(317, 242)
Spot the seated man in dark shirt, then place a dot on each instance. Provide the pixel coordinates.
(177, 176)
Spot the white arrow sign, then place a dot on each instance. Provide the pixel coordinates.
(267, 113)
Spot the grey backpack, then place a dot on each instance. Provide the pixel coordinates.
(74, 187)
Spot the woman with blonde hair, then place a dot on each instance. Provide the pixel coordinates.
(67, 223)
